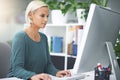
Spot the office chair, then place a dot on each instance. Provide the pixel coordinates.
(5, 50)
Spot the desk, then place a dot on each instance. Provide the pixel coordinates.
(13, 78)
(90, 76)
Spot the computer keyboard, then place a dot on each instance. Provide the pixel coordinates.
(73, 77)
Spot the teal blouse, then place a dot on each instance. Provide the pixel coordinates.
(29, 57)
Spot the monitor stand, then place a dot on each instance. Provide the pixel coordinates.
(113, 61)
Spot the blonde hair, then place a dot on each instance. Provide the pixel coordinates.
(32, 6)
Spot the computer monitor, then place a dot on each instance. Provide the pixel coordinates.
(114, 4)
(102, 26)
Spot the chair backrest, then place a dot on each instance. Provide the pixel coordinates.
(5, 51)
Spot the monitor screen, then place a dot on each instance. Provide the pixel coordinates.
(102, 26)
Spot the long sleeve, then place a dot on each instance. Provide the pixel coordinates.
(50, 67)
(17, 58)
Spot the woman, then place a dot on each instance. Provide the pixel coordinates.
(30, 57)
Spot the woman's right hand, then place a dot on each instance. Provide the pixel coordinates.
(42, 76)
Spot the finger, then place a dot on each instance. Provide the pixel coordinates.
(49, 78)
(46, 77)
(63, 73)
(61, 76)
(67, 73)
(41, 77)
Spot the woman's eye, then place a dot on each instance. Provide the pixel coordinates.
(42, 15)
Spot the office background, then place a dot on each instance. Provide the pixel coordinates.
(12, 16)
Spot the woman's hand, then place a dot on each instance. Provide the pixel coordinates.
(63, 73)
(42, 76)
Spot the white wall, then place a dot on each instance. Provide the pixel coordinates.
(7, 31)
(8, 11)
(4, 32)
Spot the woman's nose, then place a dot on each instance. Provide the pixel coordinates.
(46, 19)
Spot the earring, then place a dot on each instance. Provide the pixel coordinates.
(30, 20)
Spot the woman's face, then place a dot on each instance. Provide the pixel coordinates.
(39, 17)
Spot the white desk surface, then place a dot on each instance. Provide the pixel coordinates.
(13, 78)
(90, 76)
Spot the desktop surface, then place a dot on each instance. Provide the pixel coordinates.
(90, 76)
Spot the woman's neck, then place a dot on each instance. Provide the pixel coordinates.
(33, 33)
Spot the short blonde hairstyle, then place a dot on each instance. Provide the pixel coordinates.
(32, 6)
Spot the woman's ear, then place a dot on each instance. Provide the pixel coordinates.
(30, 16)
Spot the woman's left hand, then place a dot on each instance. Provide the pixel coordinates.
(63, 73)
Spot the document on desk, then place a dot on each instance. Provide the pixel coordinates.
(74, 77)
